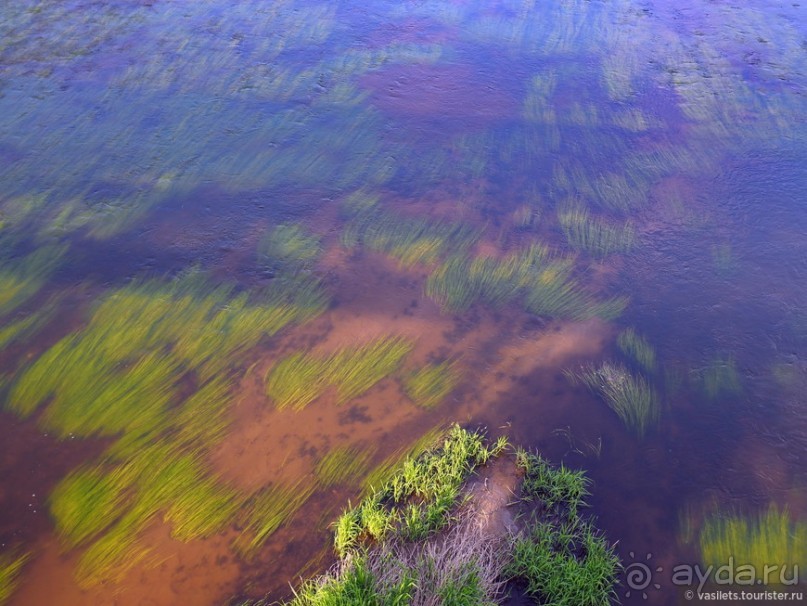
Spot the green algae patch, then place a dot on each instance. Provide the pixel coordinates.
(299, 379)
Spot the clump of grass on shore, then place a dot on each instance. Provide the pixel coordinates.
(636, 347)
(11, 565)
(567, 565)
(417, 500)
(384, 471)
(595, 236)
(299, 379)
(555, 488)
(429, 385)
(630, 396)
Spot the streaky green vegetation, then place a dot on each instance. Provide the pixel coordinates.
(21, 279)
(526, 216)
(637, 348)
(542, 282)
(409, 240)
(343, 465)
(429, 385)
(288, 248)
(107, 507)
(120, 373)
(127, 375)
(418, 498)
(555, 488)
(267, 511)
(595, 236)
(299, 379)
(769, 538)
(630, 396)
(26, 326)
(11, 565)
(720, 378)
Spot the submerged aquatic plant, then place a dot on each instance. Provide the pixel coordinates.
(630, 396)
(594, 235)
(410, 240)
(720, 378)
(11, 565)
(429, 385)
(299, 379)
(266, 511)
(543, 283)
(343, 465)
(21, 279)
(768, 539)
(636, 347)
(288, 248)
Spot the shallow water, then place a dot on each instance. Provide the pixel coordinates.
(141, 139)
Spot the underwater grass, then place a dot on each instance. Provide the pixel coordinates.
(429, 385)
(21, 279)
(769, 538)
(343, 465)
(288, 248)
(267, 511)
(299, 379)
(409, 240)
(11, 565)
(544, 284)
(630, 396)
(26, 326)
(720, 378)
(107, 506)
(637, 348)
(122, 370)
(595, 236)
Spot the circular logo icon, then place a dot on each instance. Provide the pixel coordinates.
(639, 575)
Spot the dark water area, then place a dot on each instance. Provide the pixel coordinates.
(205, 189)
